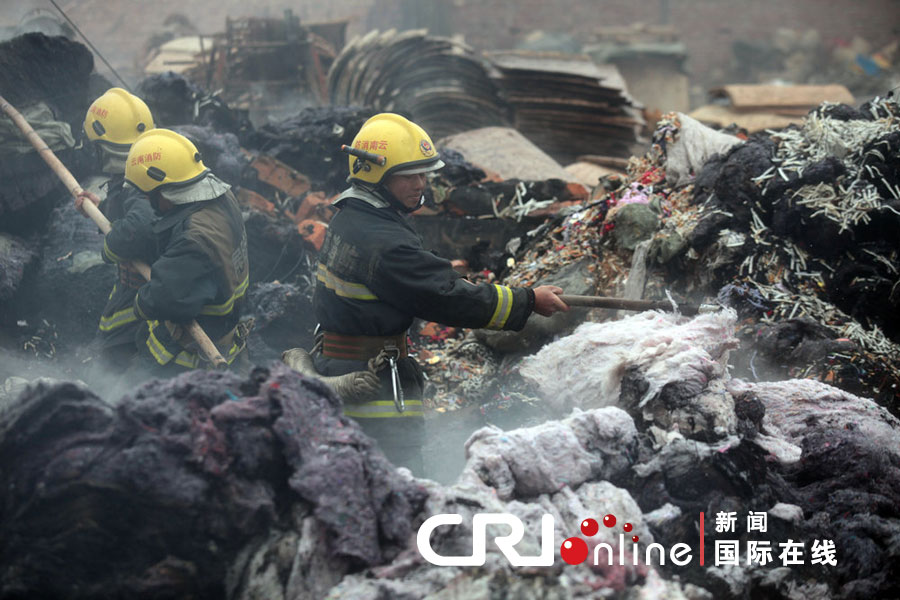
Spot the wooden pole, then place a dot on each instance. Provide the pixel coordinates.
(206, 345)
(625, 304)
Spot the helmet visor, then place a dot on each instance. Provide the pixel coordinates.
(438, 164)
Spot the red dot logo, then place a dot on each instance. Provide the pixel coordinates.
(627, 527)
(574, 551)
(609, 520)
(634, 539)
(589, 527)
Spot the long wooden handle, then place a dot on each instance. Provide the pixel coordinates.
(206, 345)
(625, 304)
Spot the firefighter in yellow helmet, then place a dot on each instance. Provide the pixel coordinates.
(374, 278)
(113, 122)
(202, 272)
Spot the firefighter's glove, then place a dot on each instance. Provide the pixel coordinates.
(354, 388)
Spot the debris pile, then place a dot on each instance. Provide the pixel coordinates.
(678, 436)
(810, 215)
(282, 319)
(53, 69)
(16, 257)
(270, 67)
(486, 197)
(310, 142)
(175, 100)
(658, 418)
(786, 226)
(70, 260)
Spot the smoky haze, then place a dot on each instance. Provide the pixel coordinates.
(716, 34)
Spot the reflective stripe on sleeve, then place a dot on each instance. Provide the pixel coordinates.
(137, 307)
(117, 319)
(219, 310)
(503, 308)
(159, 352)
(110, 254)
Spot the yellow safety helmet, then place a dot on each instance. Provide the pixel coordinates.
(161, 157)
(117, 118)
(405, 146)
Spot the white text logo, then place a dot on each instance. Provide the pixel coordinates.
(506, 543)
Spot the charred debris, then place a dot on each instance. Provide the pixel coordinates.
(784, 401)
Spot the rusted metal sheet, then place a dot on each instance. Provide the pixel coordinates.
(713, 114)
(776, 98)
(280, 176)
(589, 173)
(253, 200)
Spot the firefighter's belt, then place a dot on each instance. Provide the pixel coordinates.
(360, 347)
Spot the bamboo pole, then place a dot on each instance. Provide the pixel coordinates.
(193, 328)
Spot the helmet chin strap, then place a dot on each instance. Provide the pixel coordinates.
(388, 197)
(418, 205)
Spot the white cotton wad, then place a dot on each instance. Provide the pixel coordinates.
(696, 143)
(585, 369)
(537, 460)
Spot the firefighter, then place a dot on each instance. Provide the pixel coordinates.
(202, 271)
(374, 278)
(113, 122)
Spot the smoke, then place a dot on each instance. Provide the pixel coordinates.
(21, 16)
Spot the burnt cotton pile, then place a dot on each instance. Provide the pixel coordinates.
(161, 493)
(254, 488)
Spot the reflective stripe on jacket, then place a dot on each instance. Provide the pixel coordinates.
(374, 277)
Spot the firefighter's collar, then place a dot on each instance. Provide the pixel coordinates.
(368, 196)
(113, 161)
(177, 214)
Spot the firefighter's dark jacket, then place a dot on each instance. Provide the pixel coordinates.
(374, 277)
(131, 218)
(202, 273)
(131, 238)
